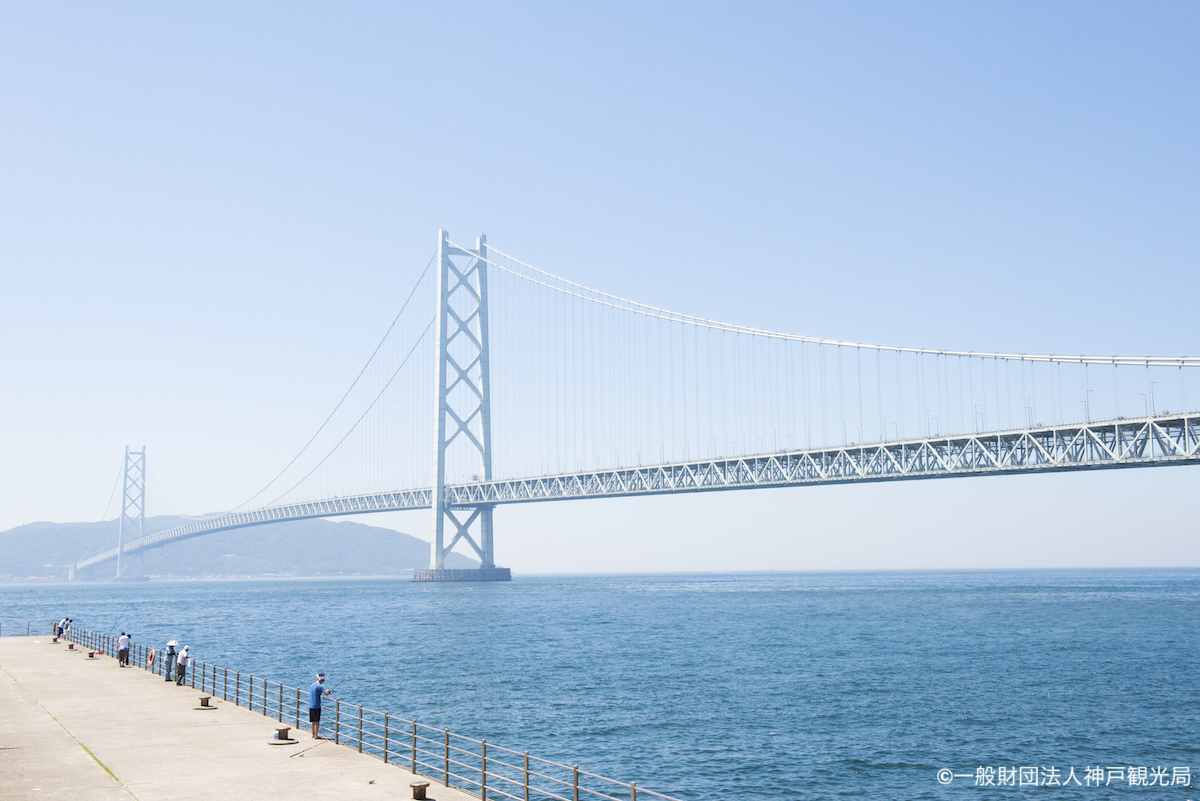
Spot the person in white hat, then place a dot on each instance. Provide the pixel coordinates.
(181, 663)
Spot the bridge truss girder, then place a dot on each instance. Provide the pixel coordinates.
(1143, 442)
(1084, 446)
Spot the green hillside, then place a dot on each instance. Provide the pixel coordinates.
(295, 548)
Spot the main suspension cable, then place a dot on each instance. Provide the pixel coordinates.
(636, 307)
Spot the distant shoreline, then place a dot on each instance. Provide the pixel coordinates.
(407, 575)
(45, 580)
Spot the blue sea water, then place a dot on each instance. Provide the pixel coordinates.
(802, 685)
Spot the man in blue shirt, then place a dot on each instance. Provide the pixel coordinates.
(314, 704)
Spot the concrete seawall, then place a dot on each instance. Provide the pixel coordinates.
(78, 728)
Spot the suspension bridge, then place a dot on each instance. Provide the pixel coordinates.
(498, 382)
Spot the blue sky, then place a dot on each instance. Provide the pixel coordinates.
(209, 214)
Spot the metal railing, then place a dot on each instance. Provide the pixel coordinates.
(480, 768)
(27, 629)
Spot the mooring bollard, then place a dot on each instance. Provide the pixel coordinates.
(418, 789)
(204, 705)
(282, 736)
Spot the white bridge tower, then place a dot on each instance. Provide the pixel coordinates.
(464, 410)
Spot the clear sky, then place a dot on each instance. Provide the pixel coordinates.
(210, 212)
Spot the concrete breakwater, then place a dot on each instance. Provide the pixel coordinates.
(119, 717)
(79, 728)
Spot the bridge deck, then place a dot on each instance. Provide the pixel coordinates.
(1167, 439)
(75, 728)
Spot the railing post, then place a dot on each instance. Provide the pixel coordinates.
(575, 781)
(360, 728)
(281, 702)
(483, 770)
(337, 721)
(526, 776)
(447, 754)
(633, 791)
(250, 693)
(414, 755)
(225, 685)
(237, 688)
(385, 737)
(297, 707)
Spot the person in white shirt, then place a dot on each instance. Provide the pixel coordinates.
(123, 650)
(181, 663)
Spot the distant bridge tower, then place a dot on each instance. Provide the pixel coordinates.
(133, 500)
(464, 408)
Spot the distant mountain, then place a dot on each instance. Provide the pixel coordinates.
(295, 548)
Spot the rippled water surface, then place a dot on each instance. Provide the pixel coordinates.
(704, 686)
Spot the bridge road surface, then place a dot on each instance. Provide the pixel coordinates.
(146, 742)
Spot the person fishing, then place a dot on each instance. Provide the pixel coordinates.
(315, 693)
(181, 663)
(169, 660)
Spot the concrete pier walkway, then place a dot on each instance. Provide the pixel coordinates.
(79, 728)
